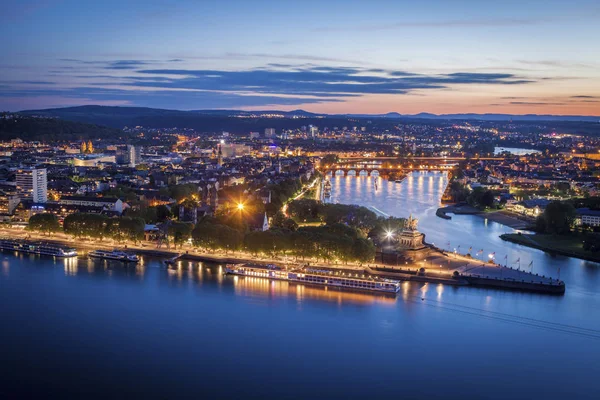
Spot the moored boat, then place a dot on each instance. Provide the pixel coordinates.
(317, 276)
(115, 254)
(39, 248)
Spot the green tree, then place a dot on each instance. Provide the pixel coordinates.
(184, 191)
(85, 225)
(328, 160)
(44, 223)
(304, 209)
(132, 228)
(163, 213)
(281, 221)
(363, 250)
(558, 218)
(180, 232)
(487, 199)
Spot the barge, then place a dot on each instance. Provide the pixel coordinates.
(39, 248)
(317, 276)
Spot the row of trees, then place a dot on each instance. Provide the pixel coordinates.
(98, 226)
(355, 216)
(329, 242)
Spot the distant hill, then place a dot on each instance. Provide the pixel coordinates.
(199, 120)
(116, 117)
(131, 116)
(52, 129)
(483, 117)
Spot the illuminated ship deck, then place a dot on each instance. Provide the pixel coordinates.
(317, 276)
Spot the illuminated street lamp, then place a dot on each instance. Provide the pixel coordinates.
(240, 206)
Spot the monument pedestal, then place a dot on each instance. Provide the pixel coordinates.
(410, 242)
(411, 247)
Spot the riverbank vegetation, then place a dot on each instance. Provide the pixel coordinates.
(44, 223)
(557, 231)
(86, 225)
(339, 233)
(582, 245)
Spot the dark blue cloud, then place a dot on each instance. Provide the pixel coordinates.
(318, 80)
(127, 64)
(29, 82)
(114, 64)
(163, 98)
(274, 84)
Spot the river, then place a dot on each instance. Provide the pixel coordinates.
(82, 328)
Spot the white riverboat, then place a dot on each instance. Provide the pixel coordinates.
(39, 248)
(115, 254)
(317, 276)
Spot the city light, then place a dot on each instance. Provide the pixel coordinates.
(240, 206)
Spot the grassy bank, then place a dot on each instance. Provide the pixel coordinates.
(571, 246)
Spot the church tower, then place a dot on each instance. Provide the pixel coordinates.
(90, 147)
(220, 157)
(83, 147)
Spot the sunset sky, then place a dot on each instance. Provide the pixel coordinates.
(347, 56)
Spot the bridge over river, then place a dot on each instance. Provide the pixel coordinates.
(372, 167)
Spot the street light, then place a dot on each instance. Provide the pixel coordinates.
(240, 206)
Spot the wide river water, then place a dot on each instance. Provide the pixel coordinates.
(82, 328)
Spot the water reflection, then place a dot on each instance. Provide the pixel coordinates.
(420, 194)
(250, 286)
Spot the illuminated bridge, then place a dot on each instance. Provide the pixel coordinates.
(370, 168)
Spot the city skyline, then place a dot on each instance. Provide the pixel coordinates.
(329, 58)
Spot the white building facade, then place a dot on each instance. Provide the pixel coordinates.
(33, 184)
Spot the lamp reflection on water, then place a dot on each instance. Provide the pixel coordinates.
(439, 290)
(70, 265)
(5, 267)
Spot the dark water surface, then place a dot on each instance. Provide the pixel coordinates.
(82, 329)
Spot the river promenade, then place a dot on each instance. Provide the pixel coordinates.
(440, 267)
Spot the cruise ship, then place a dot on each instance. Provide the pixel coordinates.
(40, 248)
(317, 276)
(115, 254)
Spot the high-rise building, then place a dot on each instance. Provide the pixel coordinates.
(135, 155)
(8, 202)
(313, 130)
(269, 132)
(33, 184)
